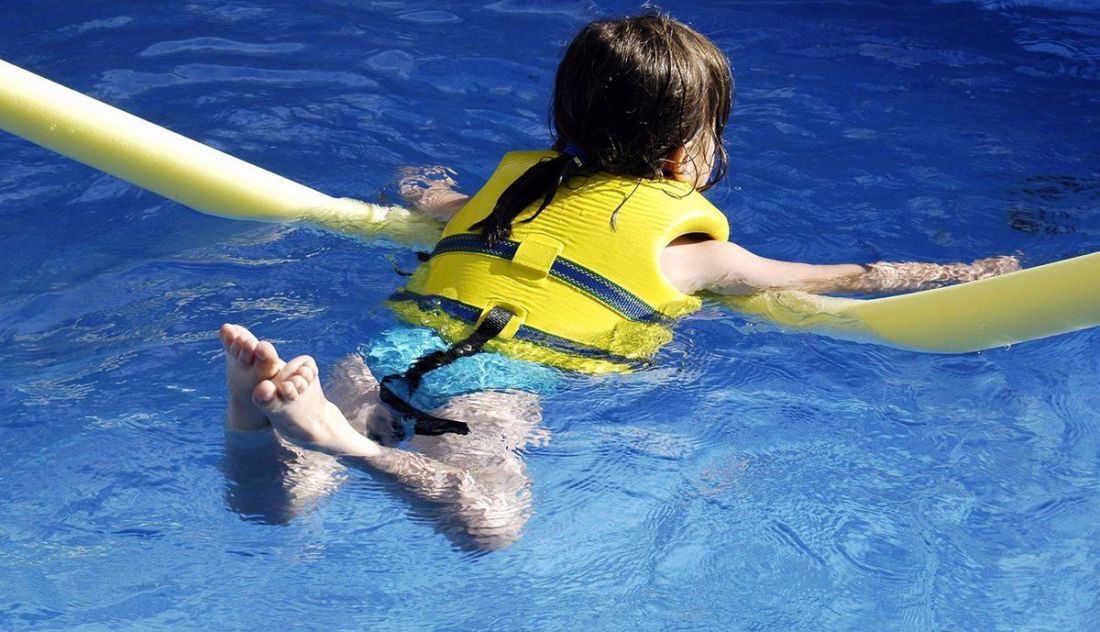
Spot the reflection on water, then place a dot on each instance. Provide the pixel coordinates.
(1056, 205)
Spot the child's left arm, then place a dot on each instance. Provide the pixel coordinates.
(726, 268)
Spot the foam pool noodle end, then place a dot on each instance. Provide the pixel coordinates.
(181, 169)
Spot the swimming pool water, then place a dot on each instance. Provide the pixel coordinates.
(755, 479)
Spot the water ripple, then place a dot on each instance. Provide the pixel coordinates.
(200, 44)
(124, 83)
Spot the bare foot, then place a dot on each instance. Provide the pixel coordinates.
(247, 363)
(296, 406)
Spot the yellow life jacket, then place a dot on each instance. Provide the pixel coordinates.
(583, 279)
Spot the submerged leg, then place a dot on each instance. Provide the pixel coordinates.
(492, 501)
(477, 482)
(272, 482)
(267, 479)
(352, 387)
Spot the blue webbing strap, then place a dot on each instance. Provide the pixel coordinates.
(599, 287)
(470, 314)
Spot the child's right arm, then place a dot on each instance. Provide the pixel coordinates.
(724, 267)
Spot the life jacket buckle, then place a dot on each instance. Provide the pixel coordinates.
(519, 315)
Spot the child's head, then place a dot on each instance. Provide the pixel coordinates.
(630, 92)
(641, 97)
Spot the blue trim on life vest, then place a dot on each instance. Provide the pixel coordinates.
(597, 286)
(470, 314)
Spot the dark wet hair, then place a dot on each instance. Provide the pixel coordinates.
(627, 94)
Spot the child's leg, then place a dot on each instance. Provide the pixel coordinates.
(492, 503)
(352, 387)
(477, 481)
(267, 478)
(273, 482)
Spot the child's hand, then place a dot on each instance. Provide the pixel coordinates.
(909, 276)
(430, 190)
(985, 268)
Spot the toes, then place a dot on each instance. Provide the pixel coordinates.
(296, 377)
(241, 345)
(264, 393)
(300, 382)
(298, 365)
(288, 391)
(265, 354)
(227, 333)
(288, 384)
(307, 371)
(247, 347)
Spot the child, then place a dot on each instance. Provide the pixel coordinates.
(578, 257)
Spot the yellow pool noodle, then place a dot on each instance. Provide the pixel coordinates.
(1025, 305)
(179, 168)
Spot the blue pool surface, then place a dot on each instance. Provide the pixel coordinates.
(753, 480)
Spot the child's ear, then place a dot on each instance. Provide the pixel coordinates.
(673, 164)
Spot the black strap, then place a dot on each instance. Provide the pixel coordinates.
(420, 254)
(426, 424)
